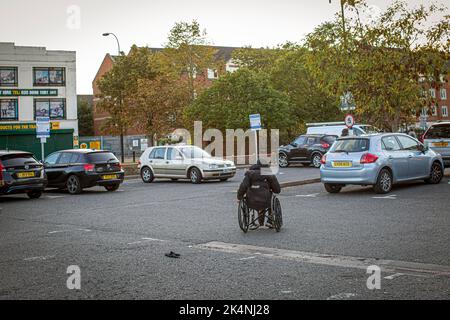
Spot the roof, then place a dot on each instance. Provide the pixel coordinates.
(8, 152)
(84, 151)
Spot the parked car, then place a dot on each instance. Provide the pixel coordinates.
(183, 162)
(335, 128)
(437, 137)
(76, 170)
(380, 160)
(307, 149)
(20, 172)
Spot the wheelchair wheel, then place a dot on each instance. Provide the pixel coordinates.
(277, 214)
(243, 216)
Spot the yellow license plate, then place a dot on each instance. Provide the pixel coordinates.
(110, 177)
(342, 164)
(25, 175)
(440, 144)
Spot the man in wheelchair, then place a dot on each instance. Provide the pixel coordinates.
(258, 190)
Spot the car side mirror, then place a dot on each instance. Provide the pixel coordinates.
(294, 144)
(422, 148)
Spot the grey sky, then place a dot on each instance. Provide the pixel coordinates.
(147, 22)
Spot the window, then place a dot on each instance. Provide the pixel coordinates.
(351, 145)
(99, 157)
(51, 159)
(408, 143)
(49, 76)
(174, 154)
(299, 141)
(434, 111)
(53, 108)
(213, 74)
(390, 144)
(65, 158)
(433, 93)
(443, 94)
(18, 160)
(9, 110)
(311, 141)
(8, 77)
(444, 111)
(439, 131)
(158, 154)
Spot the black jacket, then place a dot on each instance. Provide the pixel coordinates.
(258, 188)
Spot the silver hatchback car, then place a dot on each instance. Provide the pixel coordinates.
(380, 160)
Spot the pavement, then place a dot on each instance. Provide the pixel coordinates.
(119, 241)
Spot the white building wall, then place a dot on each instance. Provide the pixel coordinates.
(27, 58)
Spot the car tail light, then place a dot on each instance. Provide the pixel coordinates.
(368, 158)
(324, 159)
(89, 167)
(2, 168)
(325, 145)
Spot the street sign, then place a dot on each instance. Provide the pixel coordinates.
(349, 121)
(42, 127)
(255, 122)
(347, 102)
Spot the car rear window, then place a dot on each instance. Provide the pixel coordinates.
(329, 139)
(18, 160)
(102, 157)
(438, 132)
(351, 145)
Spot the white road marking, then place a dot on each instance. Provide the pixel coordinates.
(42, 258)
(249, 258)
(342, 296)
(392, 277)
(286, 292)
(314, 195)
(389, 197)
(143, 240)
(54, 197)
(63, 231)
(388, 266)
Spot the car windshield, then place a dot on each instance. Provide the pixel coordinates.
(98, 157)
(368, 129)
(439, 132)
(351, 145)
(194, 153)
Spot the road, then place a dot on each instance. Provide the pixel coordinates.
(119, 241)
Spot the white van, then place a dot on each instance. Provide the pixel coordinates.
(335, 128)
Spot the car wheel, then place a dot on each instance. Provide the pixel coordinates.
(73, 185)
(147, 175)
(316, 160)
(333, 188)
(195, 176)
(436, 174)
(384, 182)
(112, 187)
(283, 160)
(34, 194)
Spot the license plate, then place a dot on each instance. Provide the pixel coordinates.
(21, 175)
(110, 177)
(342, 164)
(440, 144)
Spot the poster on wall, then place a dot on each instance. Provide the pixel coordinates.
(56, 76)
(8, 109)
(56, 109)
(42, 108)
(7, 76)
(42, 76)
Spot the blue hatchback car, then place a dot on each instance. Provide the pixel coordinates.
(379, 160)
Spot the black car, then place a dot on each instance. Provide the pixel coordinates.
(20, 172)
(306, 149)
(75, 170)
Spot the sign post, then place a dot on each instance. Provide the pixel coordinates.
(43, 132)
(255, 125)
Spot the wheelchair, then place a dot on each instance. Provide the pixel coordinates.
(248, 217)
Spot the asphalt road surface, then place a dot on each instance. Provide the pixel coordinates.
(119, 241)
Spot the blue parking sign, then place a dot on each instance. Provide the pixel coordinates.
(255, 122)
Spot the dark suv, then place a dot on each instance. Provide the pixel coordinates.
(75, 170)
(306, 149)
(20, 172)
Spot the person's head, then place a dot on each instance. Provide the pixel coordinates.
(344, 132)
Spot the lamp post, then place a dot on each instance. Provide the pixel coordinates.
(122, 149)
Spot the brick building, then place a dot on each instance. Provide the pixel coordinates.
(439, 110)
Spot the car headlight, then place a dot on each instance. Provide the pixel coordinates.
(213, 166)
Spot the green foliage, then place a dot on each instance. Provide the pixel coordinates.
(85, 119)
(228, 103)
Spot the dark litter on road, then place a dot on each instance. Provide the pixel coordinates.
(173, 255)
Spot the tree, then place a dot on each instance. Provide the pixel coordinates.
(228, 103)
(85, 119)
(189, 55)
(381, 62)
(261, 59)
